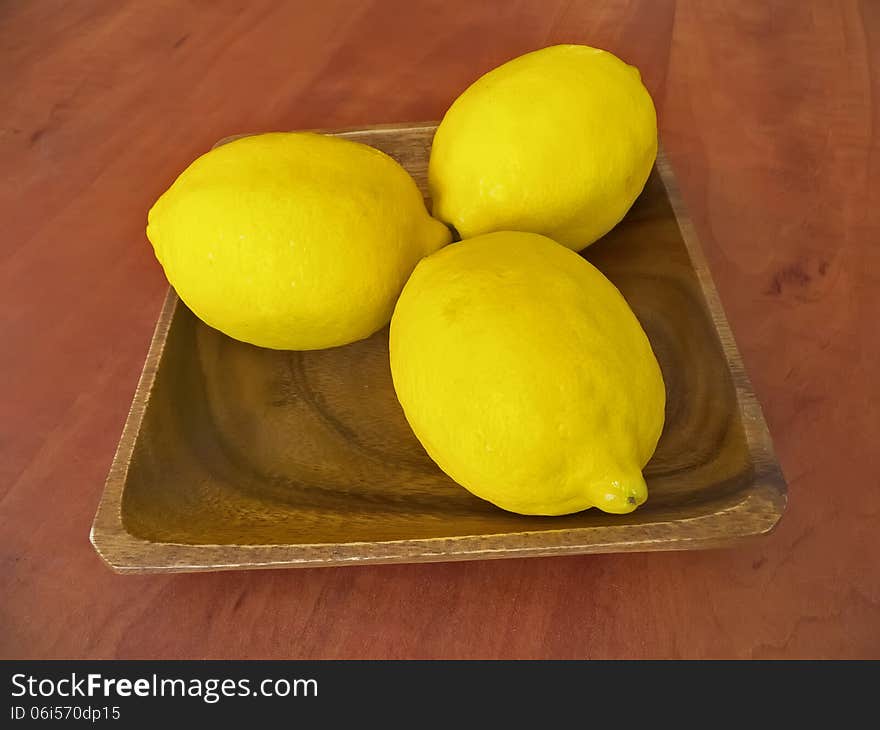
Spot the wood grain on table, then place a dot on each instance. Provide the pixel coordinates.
(769, 114)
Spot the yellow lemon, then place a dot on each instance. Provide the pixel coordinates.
(526, 376)
(559, 141)
(292, 241)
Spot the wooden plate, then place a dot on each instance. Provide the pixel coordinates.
(238, 457)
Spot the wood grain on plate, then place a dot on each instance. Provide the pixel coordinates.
(236, 456)
(769, 116)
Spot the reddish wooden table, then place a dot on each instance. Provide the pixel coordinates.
(770, 117)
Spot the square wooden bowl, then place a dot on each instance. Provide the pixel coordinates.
(238, 457)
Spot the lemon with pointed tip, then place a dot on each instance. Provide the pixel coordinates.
(559, 141)
(293, 241)
(526, 376)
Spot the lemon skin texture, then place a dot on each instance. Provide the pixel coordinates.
(294, 241)
(526, 376)
(559, 141)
